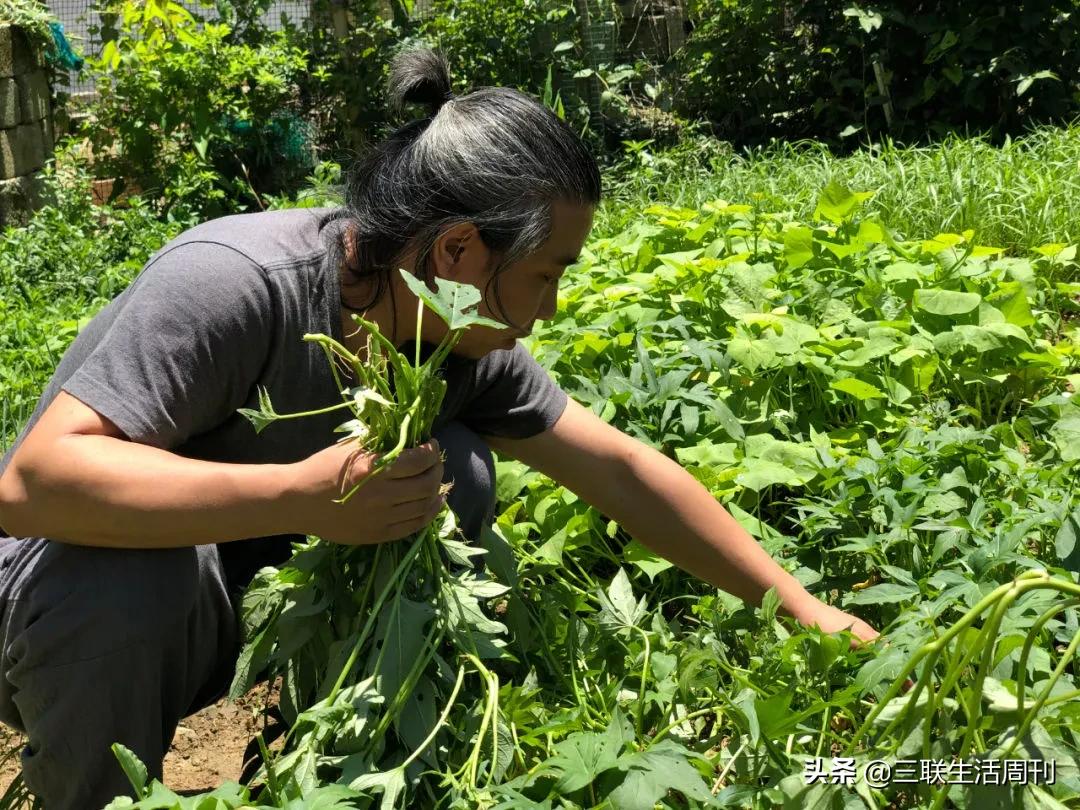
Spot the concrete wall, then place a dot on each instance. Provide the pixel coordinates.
(26, 130)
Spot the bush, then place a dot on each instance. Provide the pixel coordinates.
(73, 247)
(192, 117)
(352, 45)
(919, 70)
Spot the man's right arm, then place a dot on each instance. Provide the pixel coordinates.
(77, 478)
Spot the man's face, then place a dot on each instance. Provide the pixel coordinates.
(527, 290)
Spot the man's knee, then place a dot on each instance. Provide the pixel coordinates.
(86, 600)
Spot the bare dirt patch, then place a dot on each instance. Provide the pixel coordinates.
(208, 747)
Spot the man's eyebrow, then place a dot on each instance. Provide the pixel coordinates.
(569, 260)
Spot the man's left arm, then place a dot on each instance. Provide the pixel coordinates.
(662, 506)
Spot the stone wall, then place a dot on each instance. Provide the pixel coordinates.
(26, 129)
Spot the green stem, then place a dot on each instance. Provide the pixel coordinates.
(1029, 718)
(718, 710)
(419, 320)
(439, 722)
(644, 681)
(989, 634)
(1041, 578)
(1029, 580)
(351, 660)
(1021, 678)
(383, 461)
(327, 409)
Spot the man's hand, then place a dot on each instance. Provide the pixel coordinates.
(830, 619)
(403, 498)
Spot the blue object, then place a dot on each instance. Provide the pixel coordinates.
(61, 53)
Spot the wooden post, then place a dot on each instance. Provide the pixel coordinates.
(879, 75)
(676, 34)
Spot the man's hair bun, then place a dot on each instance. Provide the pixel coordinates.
(419, 76)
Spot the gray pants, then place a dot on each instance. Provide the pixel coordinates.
(118, 645)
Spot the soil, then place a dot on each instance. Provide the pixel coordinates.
(208, 748)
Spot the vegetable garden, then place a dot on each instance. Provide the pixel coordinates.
(891, 417)
(871, 362)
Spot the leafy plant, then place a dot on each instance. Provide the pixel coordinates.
(417, 600)
(32, 17)
(914, 71)
(190, 116)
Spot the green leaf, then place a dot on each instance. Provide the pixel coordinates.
(774, 712)
(708, 454)
(753, 354)
(650, 774)
(886, 593)
(617, 605)
(745, 702)
(1012, 302)
(399, 643)
(390, 783)
(857, 388)
(836, 202)
(419, 715)
(728, 421)
(324, 797)
(1067, 541)
(760, 473)
(133, 768)
(450, 302)
(899, 705)
(262, 417)
(581, 758)
(1066, 434)
(646, 363)
(868, 20)
(946, 302)
(798, 246)
(1000, 699)
(1037, 798)
(645, 559)
(1024, 82)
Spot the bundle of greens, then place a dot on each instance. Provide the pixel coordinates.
(371, 640)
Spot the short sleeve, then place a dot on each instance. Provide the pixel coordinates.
(514, 396)
(189, 340)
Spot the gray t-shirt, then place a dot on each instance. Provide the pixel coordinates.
(222, 309)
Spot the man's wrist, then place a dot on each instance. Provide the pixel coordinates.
(289, 503)
(795, 600)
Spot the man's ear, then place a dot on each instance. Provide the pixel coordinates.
(454, 243)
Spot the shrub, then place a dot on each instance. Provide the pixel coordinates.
(192, 117)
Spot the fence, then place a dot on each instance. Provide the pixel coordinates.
(652, 29)
(80, 19)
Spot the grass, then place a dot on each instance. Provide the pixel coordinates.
(1019, 196)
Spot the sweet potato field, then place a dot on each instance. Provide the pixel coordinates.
(890, 414)
(891, 417)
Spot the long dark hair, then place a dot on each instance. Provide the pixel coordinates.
(495, 157)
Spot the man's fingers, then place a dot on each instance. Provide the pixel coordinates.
(415, 510)
(404, 528)
(865, 631)
(862, 633)
(418, 487)
(415, 461)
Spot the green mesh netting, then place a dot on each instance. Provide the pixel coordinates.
(284, 137)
